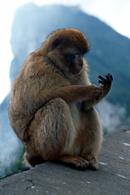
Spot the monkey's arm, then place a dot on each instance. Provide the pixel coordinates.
(90, 94)
(77, 93)
(105, 86)
(69, 94)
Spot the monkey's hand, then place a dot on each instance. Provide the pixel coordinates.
(98, 92)
(105, 83)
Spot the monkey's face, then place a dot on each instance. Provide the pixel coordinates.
(67, 57)
(73, 61)
(66, 49)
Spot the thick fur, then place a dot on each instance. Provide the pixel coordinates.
(52, 110)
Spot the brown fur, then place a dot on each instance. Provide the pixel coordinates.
(52, 104)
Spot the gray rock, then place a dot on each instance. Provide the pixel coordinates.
(113, 177)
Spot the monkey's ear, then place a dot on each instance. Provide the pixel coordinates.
(56, 43)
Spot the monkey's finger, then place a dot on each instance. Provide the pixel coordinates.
(110, 76)
(101, 78)
(101, 82)
(107, 77)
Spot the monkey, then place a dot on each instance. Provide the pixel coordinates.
(52, 104)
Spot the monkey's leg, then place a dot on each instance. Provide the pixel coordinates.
(92, 137)
(53, 133)
(51, 129)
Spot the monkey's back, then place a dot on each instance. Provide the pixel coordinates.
(36, 79)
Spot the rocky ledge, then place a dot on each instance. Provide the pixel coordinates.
(113, 177)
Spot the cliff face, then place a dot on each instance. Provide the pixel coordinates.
(113, 177)
(109, 53)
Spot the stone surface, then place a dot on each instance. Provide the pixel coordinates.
(113, 177)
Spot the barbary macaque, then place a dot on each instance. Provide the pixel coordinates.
(52, 103)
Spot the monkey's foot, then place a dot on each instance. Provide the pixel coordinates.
(93, 163)
(75, 162)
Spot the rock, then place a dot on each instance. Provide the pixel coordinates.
(113, 177)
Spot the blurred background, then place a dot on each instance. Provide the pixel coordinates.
(24, 26)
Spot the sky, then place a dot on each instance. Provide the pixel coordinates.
(116, 13)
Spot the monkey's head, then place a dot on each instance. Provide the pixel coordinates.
(66, 48)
